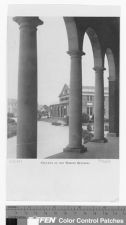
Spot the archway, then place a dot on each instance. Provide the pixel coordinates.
(96, 47)
(99, 85)
(88, 80)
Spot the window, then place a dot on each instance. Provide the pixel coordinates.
(88, 110)
(64, 99)
(89, 98)
(65, 111)
(91, 111)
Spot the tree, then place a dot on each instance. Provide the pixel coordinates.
(39, 114)
(10, 114)
(86, 136)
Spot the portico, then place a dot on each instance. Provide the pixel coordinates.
(104, 36)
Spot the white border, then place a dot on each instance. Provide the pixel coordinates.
(3, 24)
(97, 182)
(63, 10)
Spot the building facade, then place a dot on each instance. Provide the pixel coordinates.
(61, 109)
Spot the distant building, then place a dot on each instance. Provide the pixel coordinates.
(61, 109)
(12, 106)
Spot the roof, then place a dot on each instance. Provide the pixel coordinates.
(65, 89)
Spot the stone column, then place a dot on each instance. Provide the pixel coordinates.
(27, 88)
(55, 110)
(99, 105)
(52, 111)
(112, 107)
(63, 111)
(117, 107)
(75, 103)
(59, 111)
(22, 221)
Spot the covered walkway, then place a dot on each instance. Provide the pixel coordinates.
(109, 150)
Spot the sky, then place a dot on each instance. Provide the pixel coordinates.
(53, 60)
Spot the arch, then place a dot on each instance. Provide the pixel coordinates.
(88, 62)
(111, 64)
(75, 36)
(96, 47)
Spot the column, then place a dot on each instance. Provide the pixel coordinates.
(117, 107)
(112, 107)
(22, 221)
(63, 111)
(75, 103)
(52, 110)
(99, 106)
(57, 111)
(27, 88)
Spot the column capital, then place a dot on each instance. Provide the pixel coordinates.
(27, 21)
(99, 68)
(75, 53)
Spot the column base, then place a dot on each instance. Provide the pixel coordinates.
(112, 135)
(81, 149)
(26, 151)
(104, 140)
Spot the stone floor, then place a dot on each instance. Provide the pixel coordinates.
(109, 150)
(52, 140)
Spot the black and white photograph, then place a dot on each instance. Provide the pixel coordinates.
(63, 103)
(62, 117)
(63, 87)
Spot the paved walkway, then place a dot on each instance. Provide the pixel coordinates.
(109, 150)
(52, 140)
